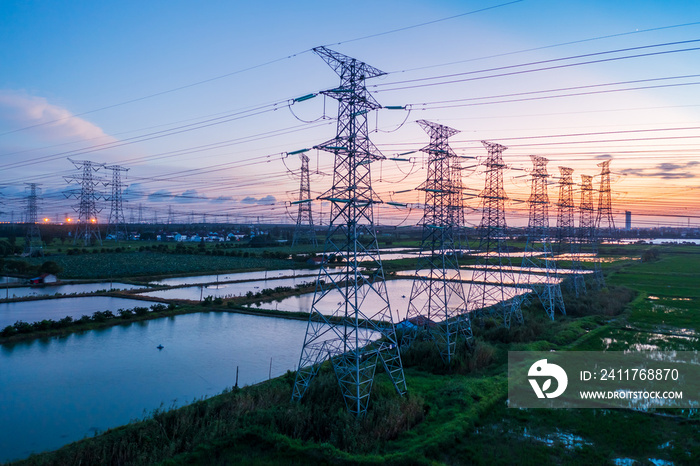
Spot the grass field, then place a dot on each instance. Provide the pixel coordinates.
(140, 264)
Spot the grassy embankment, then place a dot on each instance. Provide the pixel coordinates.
(455, 417)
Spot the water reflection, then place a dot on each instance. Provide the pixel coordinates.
(60, 389)
(55, 309)
(197, 293)
(399, 292)
(230, 277)
(24, 291)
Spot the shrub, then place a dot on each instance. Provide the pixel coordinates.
(161, 307)
(22, 327)
(65, 322)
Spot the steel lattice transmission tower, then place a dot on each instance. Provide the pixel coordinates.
(566, 230)
(457, 204)
(605, 203)
(33, 243)
(304, 230)
(538, 251)
(493, 270)
(117, 222)
(356, 335)
(87, 228)
(588, 237)
(437, 303)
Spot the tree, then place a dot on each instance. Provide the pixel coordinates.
(50, 267)
(5, 247)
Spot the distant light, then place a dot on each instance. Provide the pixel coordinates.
(46, 220)
(93, 220)
(69, 220)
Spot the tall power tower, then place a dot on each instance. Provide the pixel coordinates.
(457, 203)
(117, 222)
(588, 237)
(356, 336)
(304, 231)
(171, 215)
(493, 270)
(437, 303)
(604, 222)
(33, 243)
(538, 251)
(87, 228)
(568, 241)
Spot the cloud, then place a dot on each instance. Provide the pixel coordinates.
(222, 199)
(603, 157)
(133, 192)
(160, 195)
(665, 170)
(267, 200)
(19, 110)
(188, 196)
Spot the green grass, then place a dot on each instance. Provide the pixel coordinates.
(674, 274)
(140, 264)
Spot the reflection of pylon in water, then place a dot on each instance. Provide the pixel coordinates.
(437, 303)
(538, 255)
(493, 271)
(568, 243)
(586, 226)
(304, 231)
(354, 335)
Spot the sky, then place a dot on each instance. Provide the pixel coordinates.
(196, 99)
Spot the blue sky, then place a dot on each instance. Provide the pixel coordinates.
(127, 80)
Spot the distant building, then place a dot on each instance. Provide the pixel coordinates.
(628, 220)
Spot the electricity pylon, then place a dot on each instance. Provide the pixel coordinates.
(437, 303)
(587, 228)
(354, 336)
(33, 243)
(493, 270)
(566, 231)
(457, 206)
(304, 230)
(117, 222)
(604, 214)
(538, 255)
(87, 228)
(171, 215)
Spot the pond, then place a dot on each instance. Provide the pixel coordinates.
(24, 291)
(229, 277)
(62, 389)
(466, 274)
(55, 309)
(399, 292)
(197, 293)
